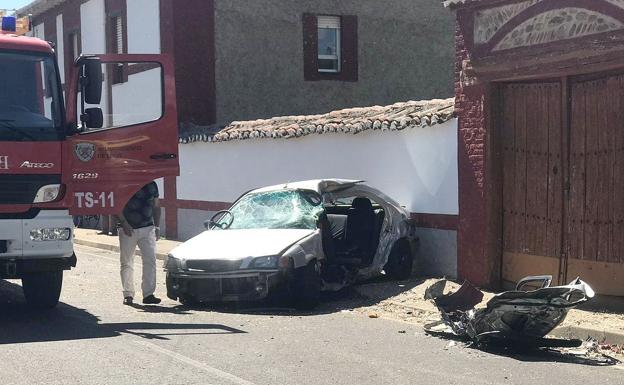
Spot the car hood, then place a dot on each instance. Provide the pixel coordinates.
(238, 244)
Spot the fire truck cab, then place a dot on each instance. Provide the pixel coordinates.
(81, 144)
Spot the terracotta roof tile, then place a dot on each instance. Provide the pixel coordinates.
(394, 117)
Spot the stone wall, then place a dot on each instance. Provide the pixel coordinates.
(405, 53)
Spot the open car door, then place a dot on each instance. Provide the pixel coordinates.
(126, 131)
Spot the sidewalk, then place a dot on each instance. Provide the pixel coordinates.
(91, 238)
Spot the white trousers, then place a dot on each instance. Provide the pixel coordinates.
(145, 238)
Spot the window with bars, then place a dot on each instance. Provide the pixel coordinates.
(330, 47)
(117, 31)
(328, 44)
(116, 45)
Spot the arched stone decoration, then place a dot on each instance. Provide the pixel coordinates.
(489, 21)
(619, 3)
(559, 24)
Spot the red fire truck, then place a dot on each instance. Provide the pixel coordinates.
(115, 132)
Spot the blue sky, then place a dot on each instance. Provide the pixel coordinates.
(13, 4)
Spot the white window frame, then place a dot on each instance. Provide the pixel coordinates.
(74, 44)
(331, 22)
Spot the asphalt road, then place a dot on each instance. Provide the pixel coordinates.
(91, 338)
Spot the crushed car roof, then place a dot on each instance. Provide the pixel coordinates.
(318, 185)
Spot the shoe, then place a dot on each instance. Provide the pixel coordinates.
(127, 301)
(151, 300)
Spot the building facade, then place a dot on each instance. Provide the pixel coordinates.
(242, 59)
(539, 100)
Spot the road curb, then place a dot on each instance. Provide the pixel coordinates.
(582, 333)
(109, 247)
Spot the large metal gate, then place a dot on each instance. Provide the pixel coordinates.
(563, 181)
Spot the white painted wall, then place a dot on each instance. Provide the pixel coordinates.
(139, 99)
(93, 37)
(417, 167)
(143, 26)
(93, 27)
(60, 47)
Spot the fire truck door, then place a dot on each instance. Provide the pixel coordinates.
(127, 140)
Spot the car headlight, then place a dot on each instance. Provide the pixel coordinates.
(269, 262)
(48, 193)
(50, 234)
(172, 263)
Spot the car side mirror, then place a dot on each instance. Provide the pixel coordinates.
(208, 224)
(91, 80)
(93, 118)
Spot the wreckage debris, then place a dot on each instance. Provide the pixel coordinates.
(521, 317)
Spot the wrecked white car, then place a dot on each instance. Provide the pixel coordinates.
(297, 238)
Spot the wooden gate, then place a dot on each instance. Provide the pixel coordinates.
(563, 181)
(532, 179)
(594, 240)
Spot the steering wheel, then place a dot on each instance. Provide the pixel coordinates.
(218, 216)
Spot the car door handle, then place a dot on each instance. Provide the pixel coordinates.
(163, 156)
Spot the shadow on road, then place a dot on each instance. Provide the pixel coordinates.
(21, 324)
(533, 354)
(554, 355)
(179, 310)
(348, 298)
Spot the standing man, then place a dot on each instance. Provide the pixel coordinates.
(139, 221)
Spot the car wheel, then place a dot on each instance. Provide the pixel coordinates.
(306, 286)
(400, 261)
(42, 290)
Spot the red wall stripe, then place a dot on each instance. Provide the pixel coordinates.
(429, 221)
(436, 221)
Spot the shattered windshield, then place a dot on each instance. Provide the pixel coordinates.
(283, 209)
(30, 105)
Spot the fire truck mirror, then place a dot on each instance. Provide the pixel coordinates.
(94, 118)
(92, 80)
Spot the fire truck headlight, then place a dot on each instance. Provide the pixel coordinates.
(48, 193)
(50, 234)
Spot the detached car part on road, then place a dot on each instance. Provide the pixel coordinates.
(297, 238)
(519, 317)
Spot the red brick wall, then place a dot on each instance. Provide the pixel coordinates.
(474, 263)
(193, 31)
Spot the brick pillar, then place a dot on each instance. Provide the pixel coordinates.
(171, 207)
(476, 262)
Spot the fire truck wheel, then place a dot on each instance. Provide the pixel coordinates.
(42, 290)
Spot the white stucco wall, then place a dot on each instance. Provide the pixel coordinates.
(93, 27)
(93, 36)
(143, 26)
(417, 167)
(139, 99)
(60, 47)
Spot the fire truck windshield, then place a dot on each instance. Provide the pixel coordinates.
(30, 100)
